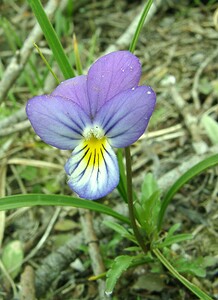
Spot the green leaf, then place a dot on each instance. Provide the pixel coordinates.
(148, 209)
(173, 229)
(52, 186)
(175, 239)
(116, 227)
(205, 86)
(29, 173)
(52, 38)
(120, 229)
(120, 264)
(133, 249)
(16, 201)
(191, 173)
(211, 127)
(149, 186)
(194, 267)
(12, 258)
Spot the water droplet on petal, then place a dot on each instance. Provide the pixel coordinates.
(133, 89)
(122, 70)
(148, 92)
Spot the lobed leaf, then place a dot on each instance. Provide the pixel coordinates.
(149, 186)
(120, 265)
(195, 267)
(148, 207)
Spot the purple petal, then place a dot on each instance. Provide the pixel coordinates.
(93, 169)
(74, 89)
(110, 75)
(58, 121)
(125, 117)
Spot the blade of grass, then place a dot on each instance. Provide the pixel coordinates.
(29, 200)
(140, 25)
(191, 173)
(77, 56)
(46, 63)
(52, 38)
(192, 287)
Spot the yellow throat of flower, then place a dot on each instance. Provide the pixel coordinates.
(94, 147)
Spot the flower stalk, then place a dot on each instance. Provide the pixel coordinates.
(130, 200)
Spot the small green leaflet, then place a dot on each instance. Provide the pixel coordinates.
(148, 206)
(12, 257)
(175, 239)
(120, 265)
(172, 238)
(211, 128)
(120, 229)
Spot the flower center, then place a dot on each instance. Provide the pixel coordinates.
(95, 132)
(94, 146)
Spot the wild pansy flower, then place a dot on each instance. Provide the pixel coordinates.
(91, 114)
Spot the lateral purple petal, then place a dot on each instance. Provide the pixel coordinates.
(57, 121)
(110, 75)
(74, 89)
(125, 117)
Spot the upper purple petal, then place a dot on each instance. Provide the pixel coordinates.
(125, 117)
(110, 75)
(58, 121)
(74, 89)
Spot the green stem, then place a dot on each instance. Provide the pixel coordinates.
(193, 288)
(130, 200)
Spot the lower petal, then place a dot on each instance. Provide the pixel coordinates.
(93, 169)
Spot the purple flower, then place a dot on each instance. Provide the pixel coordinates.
(91, 114)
